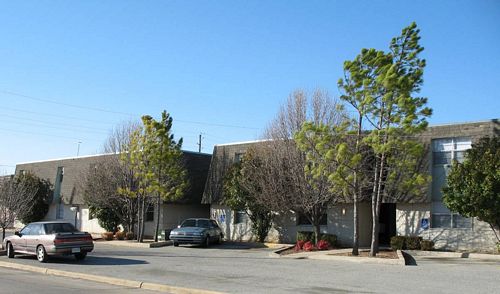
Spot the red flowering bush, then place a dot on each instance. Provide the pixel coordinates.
(299, 245)
(308, 246)
(323, 245)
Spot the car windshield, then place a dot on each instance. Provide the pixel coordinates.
(59, 228)
(201, 223)
(188, 223)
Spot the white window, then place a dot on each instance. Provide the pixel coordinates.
(444, 152)
(238, 157)
(450, 220)
(240, 216)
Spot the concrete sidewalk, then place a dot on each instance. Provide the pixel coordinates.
(135, 244)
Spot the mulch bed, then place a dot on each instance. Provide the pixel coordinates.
(289, 251)
(381, 254)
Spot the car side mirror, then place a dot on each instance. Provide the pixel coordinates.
(17, 233)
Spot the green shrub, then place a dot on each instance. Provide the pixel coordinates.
(108, 236)
(427, 245)
(129, 236)
(398, 242)
(330, 238)
(413, 242)
(304, 236)
(120, 235)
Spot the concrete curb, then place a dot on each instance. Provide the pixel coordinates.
(173, 289)
(277, 253)
(107, 280)
(277, 245)
(160, 244)
(438, 254)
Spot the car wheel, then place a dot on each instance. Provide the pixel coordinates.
(219, 240)
(10, 250)
(81, 255)
(206, 243)
(41, 254)
(176, 244)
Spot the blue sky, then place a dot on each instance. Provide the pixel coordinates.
(71, 70)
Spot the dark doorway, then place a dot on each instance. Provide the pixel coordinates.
(387, 223)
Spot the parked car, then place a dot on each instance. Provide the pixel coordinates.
(44, 239)
(201, 231)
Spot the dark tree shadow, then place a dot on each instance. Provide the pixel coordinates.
(231, 245)
(409, 260)
(90, 260)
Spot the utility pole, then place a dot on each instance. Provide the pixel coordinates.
(78, 150)
(199, 143)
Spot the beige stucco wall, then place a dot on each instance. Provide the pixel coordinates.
(171, 216)
(285, 229)
(478, 238)
(340, 223)
(224, 216)
(89, 225)
(174, 214)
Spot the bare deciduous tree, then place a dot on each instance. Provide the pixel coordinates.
(16, 197)
(104, 182)
(288, 184)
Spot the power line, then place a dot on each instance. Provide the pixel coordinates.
(52, 123)
(63, 129)
(119, 112)
(56, 115)
(64, 104)
(41, 134)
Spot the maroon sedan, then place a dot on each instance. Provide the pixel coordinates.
(49, 238)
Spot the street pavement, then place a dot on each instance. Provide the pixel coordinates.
(21, 282)
(234, 268)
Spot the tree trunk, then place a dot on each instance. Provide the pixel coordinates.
(357, 194)
(143, 212)
(317, 232)
(3, 234)
(375, 230)
(492, 227)
(138, 218)
(376, 209)
(158, 208)
(355, 237)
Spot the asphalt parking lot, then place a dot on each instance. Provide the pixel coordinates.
(237, 268)
(22, 282)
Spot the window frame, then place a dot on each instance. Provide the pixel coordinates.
(454, 146)
(302, 220)
(240, 217)
(452, 224)
(150, 213)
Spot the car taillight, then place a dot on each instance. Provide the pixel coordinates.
(70, 240)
